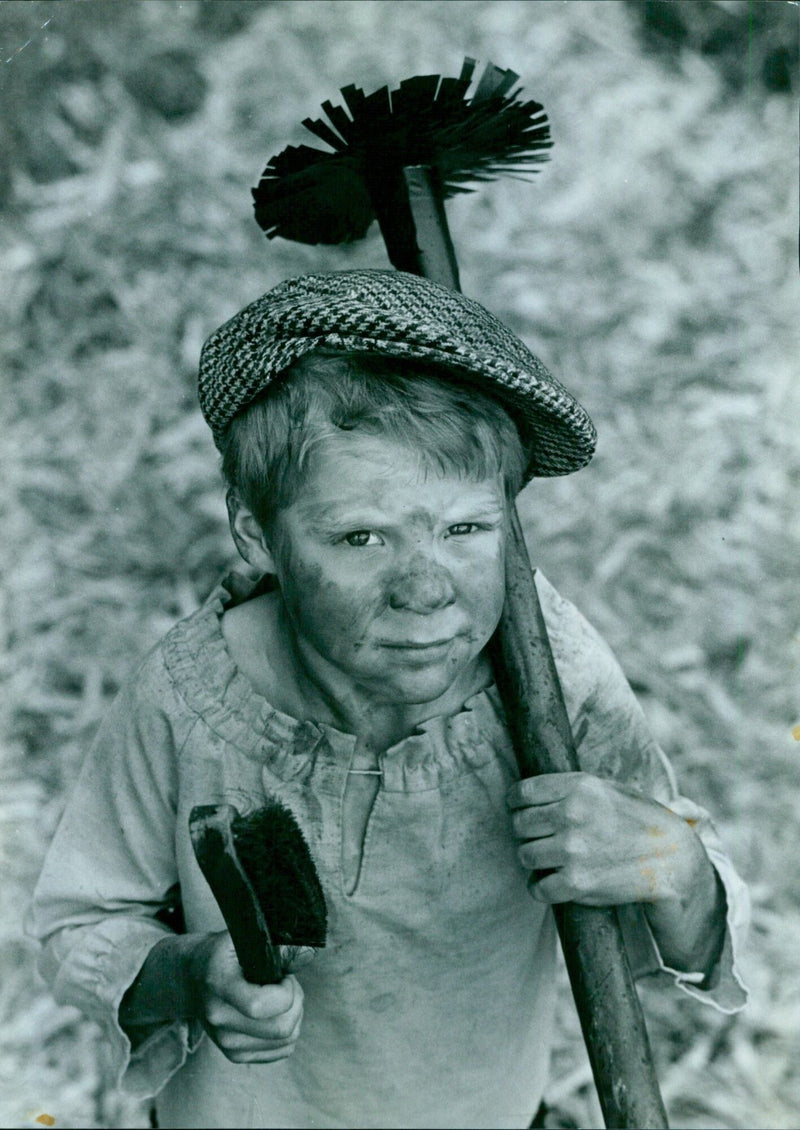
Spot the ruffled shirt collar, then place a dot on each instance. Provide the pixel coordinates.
(204, 673)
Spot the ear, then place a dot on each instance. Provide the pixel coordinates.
(248, 536)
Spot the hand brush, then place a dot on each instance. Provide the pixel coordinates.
(396, 158)
(262, 875)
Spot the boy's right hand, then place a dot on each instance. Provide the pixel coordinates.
(248, 1023)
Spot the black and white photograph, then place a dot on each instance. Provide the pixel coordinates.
(401, 515)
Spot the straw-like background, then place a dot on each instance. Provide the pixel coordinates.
(652, 264)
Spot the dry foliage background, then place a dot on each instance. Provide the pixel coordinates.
(652, 264)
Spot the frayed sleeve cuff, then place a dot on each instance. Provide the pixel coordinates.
(101, 964)
(724, 988)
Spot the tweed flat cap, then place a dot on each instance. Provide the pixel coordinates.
(398, 315)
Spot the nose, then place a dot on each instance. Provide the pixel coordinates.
(423, 586)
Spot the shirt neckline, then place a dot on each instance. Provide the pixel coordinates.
(207, 677)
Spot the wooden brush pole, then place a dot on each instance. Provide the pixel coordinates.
(435, 251)
(410, 212)
(602, 984)
(599, 972)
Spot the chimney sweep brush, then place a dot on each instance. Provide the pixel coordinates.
(396, 157)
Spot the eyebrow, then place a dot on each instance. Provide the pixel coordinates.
(366, 513)
(321, 511)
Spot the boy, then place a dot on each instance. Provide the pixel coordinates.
(374, 428)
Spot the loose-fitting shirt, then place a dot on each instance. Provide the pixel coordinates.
(432, 1003)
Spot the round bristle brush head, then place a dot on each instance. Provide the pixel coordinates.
(313, 196)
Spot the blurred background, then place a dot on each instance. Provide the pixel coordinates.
(652, 264)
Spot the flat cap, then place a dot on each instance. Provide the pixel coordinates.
(398, 315)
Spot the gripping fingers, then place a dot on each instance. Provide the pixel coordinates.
(239, 1047)
(260, 1056)
(222, 1017)
(256, 1023)
(265, 1004)
(547, 852)
(559, 886)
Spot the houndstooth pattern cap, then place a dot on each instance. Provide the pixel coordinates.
(400, 315)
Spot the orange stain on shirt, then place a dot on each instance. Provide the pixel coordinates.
(650, 878)
(796, 733)
(46, 1120)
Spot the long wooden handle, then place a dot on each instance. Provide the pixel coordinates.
(602, 984)
(599, 972)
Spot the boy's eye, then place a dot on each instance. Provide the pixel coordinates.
(462, 528)
(360, 538)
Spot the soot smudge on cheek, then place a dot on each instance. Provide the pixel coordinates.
(320, 608)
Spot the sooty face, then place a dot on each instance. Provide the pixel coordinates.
(391, 574)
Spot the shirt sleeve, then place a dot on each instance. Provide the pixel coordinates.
(110, 870)
(613, 740)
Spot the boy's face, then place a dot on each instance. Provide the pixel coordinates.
(392, 575)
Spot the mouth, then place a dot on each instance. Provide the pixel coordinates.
(425, 647)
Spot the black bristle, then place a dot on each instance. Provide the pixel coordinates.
(313, 196)
(354, 98)
(378, 105)
(451, 91)
(419, 91)
(328, 204)
(277, 861)
(468, 69)
(495, 82)
(324, 132)
(340, 120)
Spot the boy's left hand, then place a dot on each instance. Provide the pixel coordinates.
(595, 842)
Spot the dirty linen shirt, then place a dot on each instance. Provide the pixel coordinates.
(432, 1004)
